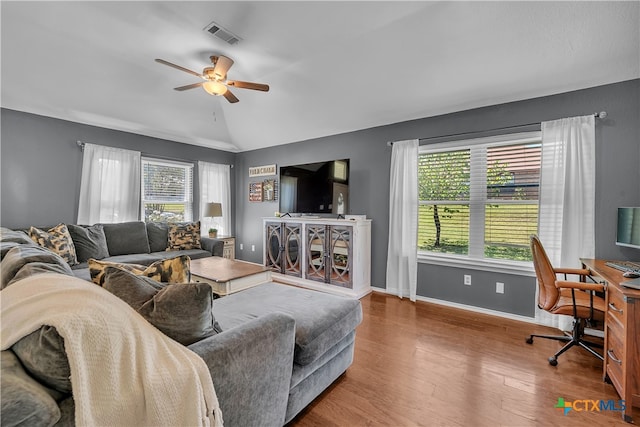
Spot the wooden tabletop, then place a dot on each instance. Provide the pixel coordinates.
(613, 276)
(220, 269)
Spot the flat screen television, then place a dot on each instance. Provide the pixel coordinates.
(628, 233)
(315, 188)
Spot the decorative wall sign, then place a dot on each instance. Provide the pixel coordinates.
(255, 191)
(266, 170)
(269, 189)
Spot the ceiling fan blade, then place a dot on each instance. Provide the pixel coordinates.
(230, 97)
(177, 67)
(221, 66)
(187, 87)
(248, 85)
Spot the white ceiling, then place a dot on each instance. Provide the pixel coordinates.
(333, 67)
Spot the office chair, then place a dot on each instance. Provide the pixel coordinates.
(560, 297)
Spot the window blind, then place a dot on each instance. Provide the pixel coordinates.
(167, 191)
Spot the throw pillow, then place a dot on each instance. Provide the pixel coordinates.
(24, 400)
(56, 239)
(173, 270)
(8, 235)
(42, 354)
(184, 236)
(183, 312)
(90, 242)
(158, 234)
(126, 238)
(19, 256)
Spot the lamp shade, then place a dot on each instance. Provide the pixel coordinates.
(213, 209)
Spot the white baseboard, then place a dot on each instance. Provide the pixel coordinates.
(468, 307)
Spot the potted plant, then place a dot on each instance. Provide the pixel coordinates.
(213, 233)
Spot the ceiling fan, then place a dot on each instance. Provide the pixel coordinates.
(215, 78)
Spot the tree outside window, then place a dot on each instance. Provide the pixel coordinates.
(479, 200)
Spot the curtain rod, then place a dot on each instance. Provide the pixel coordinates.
(82, 143)
(600, 115)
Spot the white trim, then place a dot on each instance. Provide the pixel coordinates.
(505, 139)
(518, 268)
(164, 162)
(490, 312)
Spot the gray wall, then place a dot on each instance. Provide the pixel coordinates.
(617, 183)
(42, 165)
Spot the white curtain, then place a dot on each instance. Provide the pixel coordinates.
(110, 185)
(215, 186)
(567, 197)
(402, 264)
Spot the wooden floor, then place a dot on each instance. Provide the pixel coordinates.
(421, 364)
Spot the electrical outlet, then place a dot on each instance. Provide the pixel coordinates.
(499, 288)
(467, 279)
(241, 246)
(253, 248)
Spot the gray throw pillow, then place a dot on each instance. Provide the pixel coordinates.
(24, 400)
(42, 354)
(8, 235)
(90, 241)
(158, 233)
(126, 238)
(183, 312)
(19, 256)
(7, 246)
(34, 268)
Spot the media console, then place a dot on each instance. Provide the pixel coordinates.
(329, 255)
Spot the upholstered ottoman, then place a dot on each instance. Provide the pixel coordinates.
(325, 333)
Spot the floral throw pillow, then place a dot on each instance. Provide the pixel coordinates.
(184, 236)
(56, 239)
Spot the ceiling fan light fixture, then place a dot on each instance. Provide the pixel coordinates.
(214, 87)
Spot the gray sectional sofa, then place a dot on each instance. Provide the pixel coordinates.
(132, 242)
(280, 347)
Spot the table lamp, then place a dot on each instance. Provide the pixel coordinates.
(213, 210)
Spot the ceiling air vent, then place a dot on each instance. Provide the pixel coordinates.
(222, 33)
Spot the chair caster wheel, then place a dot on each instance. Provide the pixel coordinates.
(553, 361)
(529, 340)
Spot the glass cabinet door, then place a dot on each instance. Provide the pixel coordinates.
(316, 250)
(273, 247)
(292, 246)
(340, 255)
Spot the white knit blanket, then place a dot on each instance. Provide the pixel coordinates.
(123, 370)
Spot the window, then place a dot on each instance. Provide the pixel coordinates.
(479, 198)
(167, 191)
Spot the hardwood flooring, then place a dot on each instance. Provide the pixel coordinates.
(421, 364)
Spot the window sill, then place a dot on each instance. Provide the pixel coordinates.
(520, 268)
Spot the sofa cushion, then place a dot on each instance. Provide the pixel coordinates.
(42, 354)
(126, 238)
(89, 241)
(34, 268)
(7, 246)
(183, 312)
(24, 400)
(158, 234)
(56, 239)
(184, 236)
(8, 235)
(173, 270)
(19, 256)
(322, 320)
